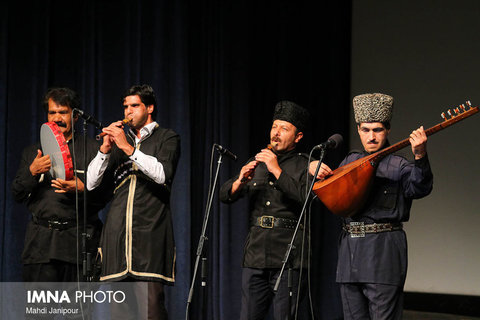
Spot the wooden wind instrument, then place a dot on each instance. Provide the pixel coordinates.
(103, 134)
(345, 191)
(249, 173)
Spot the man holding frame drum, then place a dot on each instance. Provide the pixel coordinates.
(51, 235)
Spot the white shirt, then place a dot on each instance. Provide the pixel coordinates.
(149, 165)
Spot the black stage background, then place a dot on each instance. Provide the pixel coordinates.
(218, 68)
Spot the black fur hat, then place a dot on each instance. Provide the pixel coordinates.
(293, 113)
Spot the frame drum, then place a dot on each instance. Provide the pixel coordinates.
(54, 144)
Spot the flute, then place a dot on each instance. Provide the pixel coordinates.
(103, 134)
(249, 173)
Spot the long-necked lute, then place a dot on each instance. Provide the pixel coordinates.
(345, 191)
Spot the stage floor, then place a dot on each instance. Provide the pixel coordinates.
(416, 315)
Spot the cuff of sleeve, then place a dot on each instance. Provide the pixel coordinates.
(136, 153)
(230, 196)
(280, 180)
(103, 156)
(31, 181)
(422, 162)
(225, 192)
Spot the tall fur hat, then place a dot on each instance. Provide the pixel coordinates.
(291, 112)
(373, 107)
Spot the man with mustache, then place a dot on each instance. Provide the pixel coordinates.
(138, 167)
(49, 253)
(274, 181)
(372, 256)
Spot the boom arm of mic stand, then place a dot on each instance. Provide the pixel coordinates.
(202, 237)
(290, 245)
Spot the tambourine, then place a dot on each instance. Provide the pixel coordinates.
(54, 144)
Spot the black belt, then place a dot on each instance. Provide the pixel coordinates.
(55, 224)
(358, 229)
(269, 222)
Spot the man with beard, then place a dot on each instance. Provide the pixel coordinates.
(274, 181)
(49, 254)
(137, 242)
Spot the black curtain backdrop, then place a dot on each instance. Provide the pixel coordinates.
(218, 68)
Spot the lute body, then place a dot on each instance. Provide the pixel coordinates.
(345, 191)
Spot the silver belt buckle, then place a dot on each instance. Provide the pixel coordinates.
(357, 229)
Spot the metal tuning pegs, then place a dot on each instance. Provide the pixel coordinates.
(457, 111)
(444, 117)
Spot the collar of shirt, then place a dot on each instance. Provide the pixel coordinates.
(145, 132)
(284, 155)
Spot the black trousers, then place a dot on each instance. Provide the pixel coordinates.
(38, 276)
(258, 295)
(53, 271)
(144, 300)
(371, 301)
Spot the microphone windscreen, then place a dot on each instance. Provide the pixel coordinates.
(337, 139)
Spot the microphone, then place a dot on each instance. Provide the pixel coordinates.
(333, 142)
(88, 118)
(225, 151)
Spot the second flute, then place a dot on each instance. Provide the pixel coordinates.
(103, 134)
(249, 173)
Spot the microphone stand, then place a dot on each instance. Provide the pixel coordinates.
(290, 245)
(86, 262)
(290, 292)
(201, 242)
(203, 277)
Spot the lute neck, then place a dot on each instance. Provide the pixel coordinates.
(379, 155)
